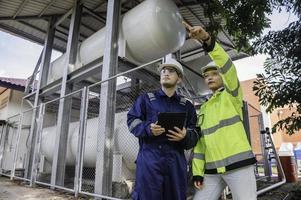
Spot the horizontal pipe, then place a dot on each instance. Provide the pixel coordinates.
(55, 186)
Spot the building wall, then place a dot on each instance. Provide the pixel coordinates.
(278, 137)
(9, 111)
(4, 100)
(14, 106)
(254, 114)
(10, 103)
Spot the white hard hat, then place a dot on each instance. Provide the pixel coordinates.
(170, 62)
(211, 65)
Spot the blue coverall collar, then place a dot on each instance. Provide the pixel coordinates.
(162, 94)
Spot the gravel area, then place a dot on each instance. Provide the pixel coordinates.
(17, 190)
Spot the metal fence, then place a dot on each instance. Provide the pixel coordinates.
(23, 144)
(33, 136)
(9, 145)
(48, 142)
(125, 145)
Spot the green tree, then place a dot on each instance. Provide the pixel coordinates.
(281, 84)
(245, 20)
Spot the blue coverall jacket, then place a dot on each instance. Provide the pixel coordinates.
(161, 172)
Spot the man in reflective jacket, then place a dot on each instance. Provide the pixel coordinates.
(161, 172)
(223, 155)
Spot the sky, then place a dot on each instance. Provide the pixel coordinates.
(18, 57)
(247, 68)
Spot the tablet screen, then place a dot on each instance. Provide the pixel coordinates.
(169, 120)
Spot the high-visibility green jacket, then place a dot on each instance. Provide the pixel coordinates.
(223, 145)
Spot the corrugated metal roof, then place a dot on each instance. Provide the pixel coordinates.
(13, 83)
(29, 19)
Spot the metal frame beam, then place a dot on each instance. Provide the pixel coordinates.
(81, 138)
(5, 18)
(41, 30)
(33, 76)
(30, 165)
(64, 17)
(60, 150)
(21, 8)
(99, 5)
(46, 7)
(95, 15)
(104, 160)
(48, 52)
(26, 35)
(92, 69)
(61, 26)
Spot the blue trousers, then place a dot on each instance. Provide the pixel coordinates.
(161, 173)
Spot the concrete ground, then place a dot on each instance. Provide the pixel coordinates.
(16, 190)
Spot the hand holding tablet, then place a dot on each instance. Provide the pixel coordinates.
(169, 120)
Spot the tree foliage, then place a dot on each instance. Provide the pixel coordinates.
(245, 20)
(281, 84)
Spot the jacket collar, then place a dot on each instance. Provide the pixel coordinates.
(161, 93)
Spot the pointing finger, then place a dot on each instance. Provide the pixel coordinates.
(187, 26)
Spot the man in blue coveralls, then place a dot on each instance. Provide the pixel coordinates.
(161, 172)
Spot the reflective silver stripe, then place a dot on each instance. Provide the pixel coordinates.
(135, 123)
(226, 66)
(234, 93)
(230, 160)
(199, 156)
(221, 124)
(151, 96)
(183, 101)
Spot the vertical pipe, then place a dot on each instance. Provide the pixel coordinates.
(16, 149)
(80, 142)
(37, 143)
(103, 177)
(59, 156)
(84, 138)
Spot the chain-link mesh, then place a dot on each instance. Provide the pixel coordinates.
(9, 145)
(49, 142)
(125, 149)
(24, 144)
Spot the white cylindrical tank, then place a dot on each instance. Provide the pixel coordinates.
(151, 30)
(48, 143)
(125, 143)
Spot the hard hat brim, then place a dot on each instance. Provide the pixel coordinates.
(161, 66)
(207, 68)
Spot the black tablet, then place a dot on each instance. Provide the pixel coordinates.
(169, 120)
